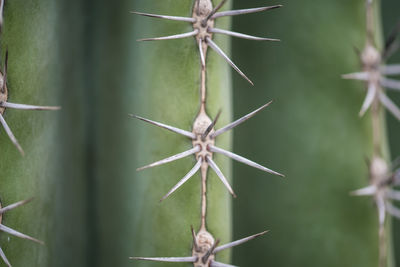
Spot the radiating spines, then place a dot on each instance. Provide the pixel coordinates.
(11, 231)
(4, 103)
(202, 257)
(374, 71)
(203, 29)
(204, 148)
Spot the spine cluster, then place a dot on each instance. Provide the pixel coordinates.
(203, 135)
(382, 175)
(4, 105)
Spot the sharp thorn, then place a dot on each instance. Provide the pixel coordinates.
(241, 35)
(166, 259)
(242, 160)
(210, 252)
(390, 106)
(27, 107)
(366, 191)
(3, 256)
(390, 84)
(15, 205)
(243, 11)
(371, 94)
(393, 69)
(171, 37)
(239, 242)
(172, 158)
(184, 179)
(393, 194)
(216, 48)
(11, 135)
(220, 264)
(210, 127)
(220, 175)
(18, 234)
(170, 128)
(175, 18)
(362, 76)
(239, 121)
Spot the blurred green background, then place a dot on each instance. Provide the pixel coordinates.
(87, 199)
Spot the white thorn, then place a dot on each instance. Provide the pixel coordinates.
(220, 175)
(171, 128)
(393, 210)
(366, 191)
(171, 37)
(362, 76)
(3, 256)
(390, 106)
(393, 194)
(239, 242)
(18, 234)
(243, 11)
(393, 69)
(15, 205)
(242, 160)
(11, 135)
(239, 121)
(390, 84)
(176, 18)
(219, 51)
(369, 98)
(167, 259)
(241, 35)
(184, 179)
(28, 107)
(220, 264)
(172, 158)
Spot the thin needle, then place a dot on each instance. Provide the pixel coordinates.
(184, 179)
(391, 69)
(242, 160)
(170, 259)
(18, 234)
(3, 256)
(243, 11)
(216, 48)
(390, 84)
(11, 135)
(366, 191)
(176, 18)
(220, 264)
(220, 175)
(171, 37)
(371, 93)
(27, 107)
(389, 105)
(172, 158)
(15, 205)
(241, 35)
(362, 76)
(171, 128)
(239, 242)
(239, 121)
(211, 126)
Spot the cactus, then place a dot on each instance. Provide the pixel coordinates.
(80, 162)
